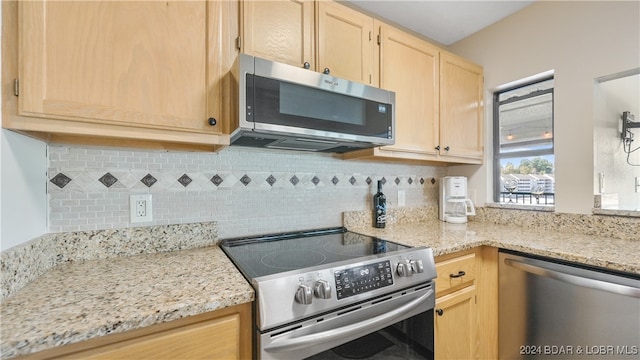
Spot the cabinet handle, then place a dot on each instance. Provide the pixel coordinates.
(459, 274)
(438, 147)
(212, 121)
(306, 65)
(446, 148)
(326, 71)
(439, 312)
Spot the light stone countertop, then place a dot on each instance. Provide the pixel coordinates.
(87, 299)
(444, 238)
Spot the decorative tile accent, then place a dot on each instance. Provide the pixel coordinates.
(60, 180)
(87, 204)
(294, 180)
(433, 181)
(108, 180)
(148, 180)
(162, 181)
(245, 180)
(216, 180)
(185, 180)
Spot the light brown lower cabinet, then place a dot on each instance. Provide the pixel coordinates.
(455, 325)
(465, 319)
(221, 334)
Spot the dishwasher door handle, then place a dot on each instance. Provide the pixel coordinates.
(574, 279)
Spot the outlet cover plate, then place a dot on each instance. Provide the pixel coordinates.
(140, 209)
(401, 198)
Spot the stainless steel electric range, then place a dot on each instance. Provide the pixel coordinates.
(333, 294)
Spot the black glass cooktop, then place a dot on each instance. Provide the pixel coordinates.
(271, 254)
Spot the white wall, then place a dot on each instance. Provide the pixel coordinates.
(580, 41)
(24, 198)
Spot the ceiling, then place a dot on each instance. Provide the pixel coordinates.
(443, 21)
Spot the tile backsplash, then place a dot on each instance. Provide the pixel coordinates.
(247, 191)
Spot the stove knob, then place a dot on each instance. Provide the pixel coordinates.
(322, 289)
(417, 266)
(304, 294)
(404, 268)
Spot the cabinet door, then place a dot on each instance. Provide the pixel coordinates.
(279, 30)
(118, 63)
(345, 42)
(461, 107)
(455, 325)
(409, 66)
(215, 339)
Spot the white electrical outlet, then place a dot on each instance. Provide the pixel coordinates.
(401, 198)
(140, 208)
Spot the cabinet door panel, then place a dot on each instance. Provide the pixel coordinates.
(213, 339)
(461, 107)
(140, 63)
(279, 30)
(345, 42)
(455, 329)
(409, 66)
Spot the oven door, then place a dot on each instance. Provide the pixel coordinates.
(394, 325)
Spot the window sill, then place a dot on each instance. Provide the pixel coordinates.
(612, 212)
(545, 208)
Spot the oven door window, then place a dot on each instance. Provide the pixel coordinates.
(411, 338)
(287, 104)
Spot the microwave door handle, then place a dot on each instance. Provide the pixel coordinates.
(341, 332)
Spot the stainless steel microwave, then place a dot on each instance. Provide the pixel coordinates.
(285, 107)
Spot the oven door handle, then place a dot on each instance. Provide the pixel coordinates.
(344, 331)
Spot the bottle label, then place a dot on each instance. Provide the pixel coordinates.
(381, 214)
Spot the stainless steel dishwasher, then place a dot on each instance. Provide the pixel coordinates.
(555, 310)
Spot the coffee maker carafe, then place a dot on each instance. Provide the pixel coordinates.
(454, 204)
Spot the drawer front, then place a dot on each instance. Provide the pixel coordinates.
(455, 273)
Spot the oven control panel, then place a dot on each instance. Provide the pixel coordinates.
(360, 279)
(290, 296)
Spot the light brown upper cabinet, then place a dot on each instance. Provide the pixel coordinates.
(138, 71)
(281, 31)
(461, 109)
(409, 67)
(439, 108)
(345, 42)
(318, 35)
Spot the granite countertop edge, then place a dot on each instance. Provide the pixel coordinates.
(84, 300)
(607, 253)
(195, 281)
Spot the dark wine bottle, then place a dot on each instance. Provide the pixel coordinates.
(379, 208)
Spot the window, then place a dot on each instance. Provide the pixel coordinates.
(524, 162)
